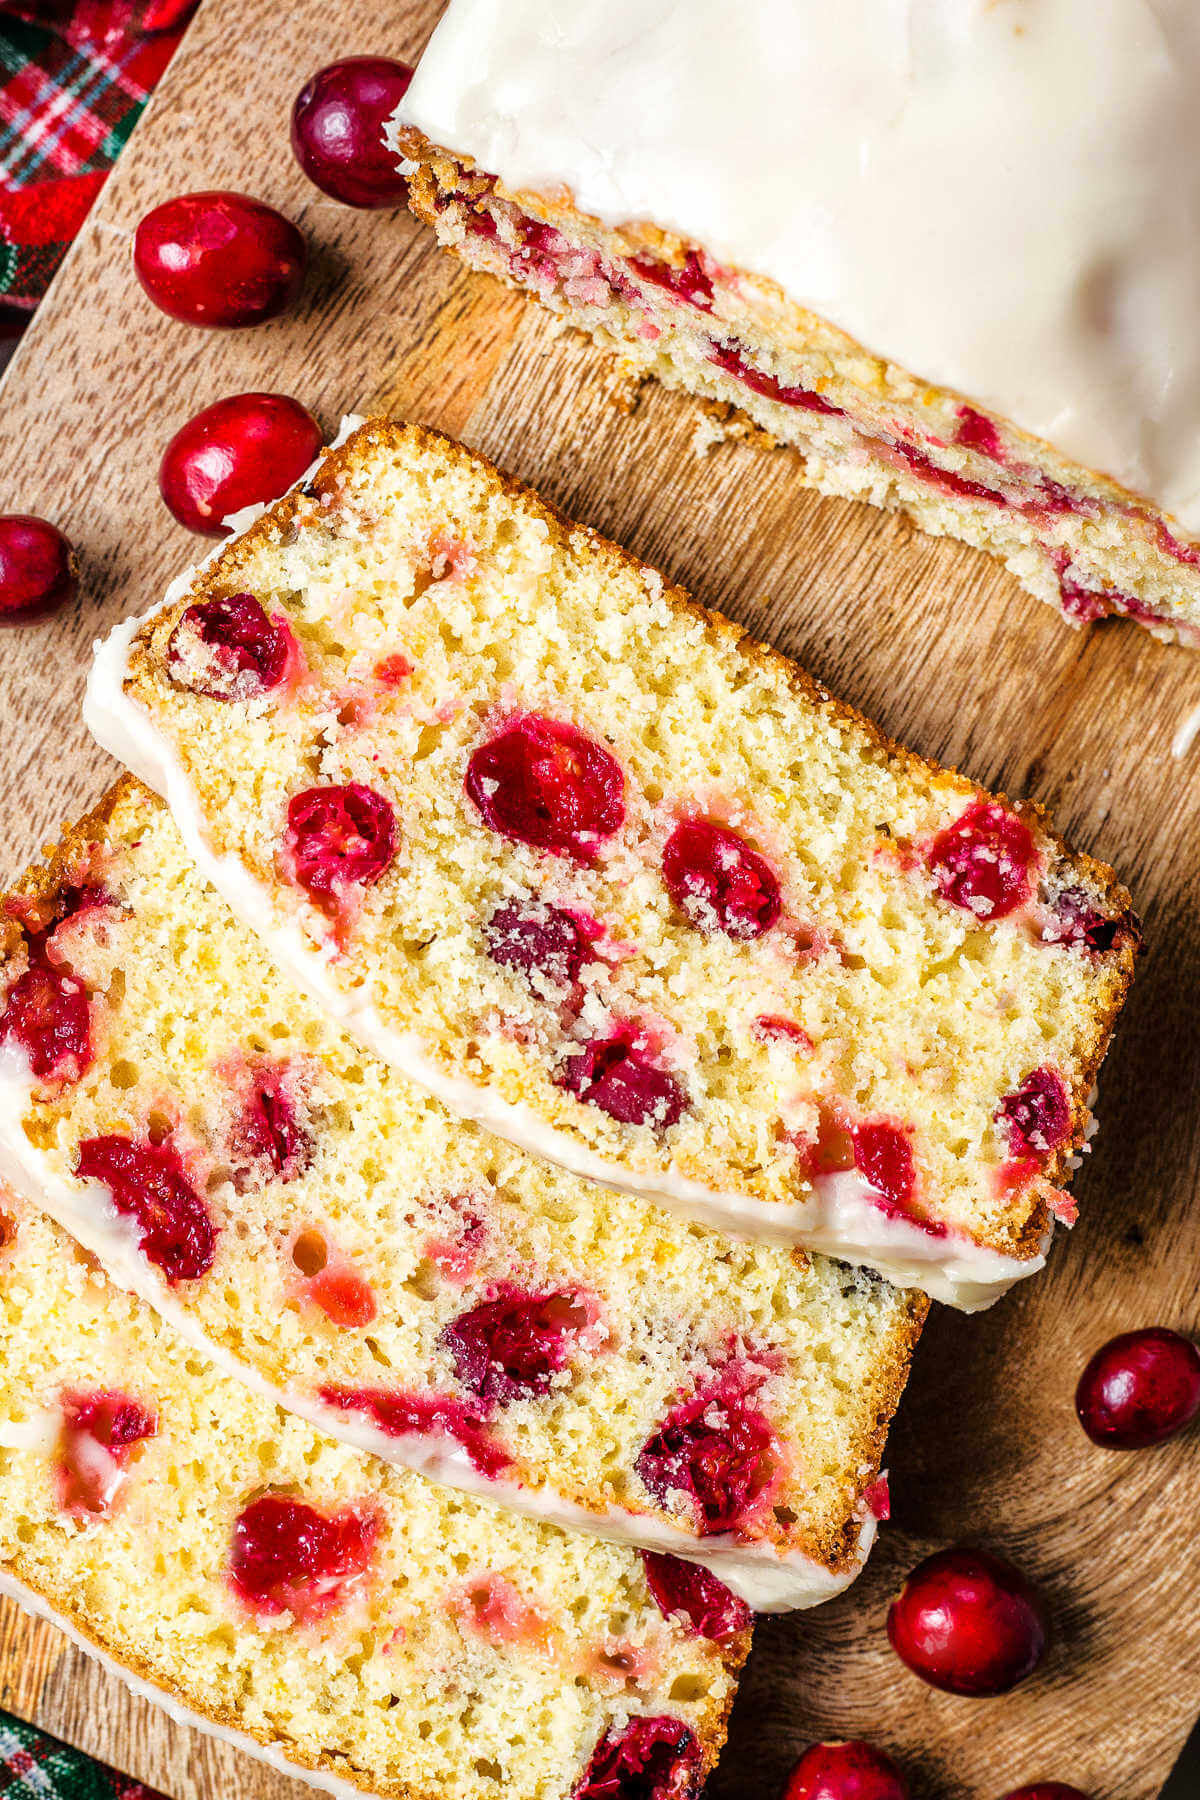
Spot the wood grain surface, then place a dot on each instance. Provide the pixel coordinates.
(931, 639)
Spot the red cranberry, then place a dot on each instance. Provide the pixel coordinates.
(399, 1415)
(243, 451)
(227, 649)
(968, 1622)
(47, 1012)
(729, 356)
(883, 1156)
(656, 1758)
(533, 938)
(38, 569)
(1037, 1118)
(339, 837)
(1047, 1790)
(680, 1587)
(99, 1431)
(288, 1557)
(546, 784)
(689, 280)
(1073, 919)
(218, 258)
(346, 1299)
(977, 432)
(148, 1185)
(983, 861)
(268, 1139)
(718, 881)
(337, 130)
(845, 1771)
(1139, 1389)
(715, 1450)
(620, 1076)
(510, 1347)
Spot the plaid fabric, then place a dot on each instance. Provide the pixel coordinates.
(74, 75)
(36, 1767)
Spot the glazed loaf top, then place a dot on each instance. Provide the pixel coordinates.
(1003, 198)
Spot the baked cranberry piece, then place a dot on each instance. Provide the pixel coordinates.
(39, 571)
(718, 881)
(227, 649)
(984, 861)
(729, 356)
(48, 1014)
(96, 1440)
(655, 1758)
(337, 130)
(1073, 919)
(533, 938)
(398, 1414)
(688, 280)
(1047, 1790)
(339, 837)
(269, 1140)
(288, 1557)
(883, 1155)
(620, 1075)
(331, 1282)
(243, 451)
(1139, 1389)
(709, 1607)
(968, 1623)
(544, 783)
(977, 432)
(1036, 1119)
(219, 258)
(845, 1771)
(510, 1347)
(148, 1185)
(718, 1452)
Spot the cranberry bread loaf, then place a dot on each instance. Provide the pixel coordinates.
(332, 1235)
(353, 1624)
(625, 886)
(877, 232)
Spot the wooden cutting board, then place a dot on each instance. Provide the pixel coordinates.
(931, 639)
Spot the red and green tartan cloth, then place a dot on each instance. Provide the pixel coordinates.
(36, 1767)
(74, 75)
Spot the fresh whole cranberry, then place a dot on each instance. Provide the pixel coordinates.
(1139, 1389)
(718, 1452)
(620, 1076)
(397, 1414)
(983, 862)
(288, 1557)
(845, 1771)
(687, 1589)
(148, 1184)
(656, 1758)
(339, 837)
(218, 258)
(38, 569)
(512, 1346)
(718, 881)
(1037, 1118)
(243, 451)
(268, 1139)
(99, 1431)
(1047, 1790)
(227, 649)
(533, 938)
(544, 783)
(968, 1622)
(48, 1014)
(337, 130)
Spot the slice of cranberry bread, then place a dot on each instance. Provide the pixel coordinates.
(882, 238)
(622, 884)
(353, 1624)
(408, 1282)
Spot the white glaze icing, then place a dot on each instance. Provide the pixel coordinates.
(1002, 196)
(766, 1579)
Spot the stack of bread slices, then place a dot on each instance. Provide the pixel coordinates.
(484, 1104)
